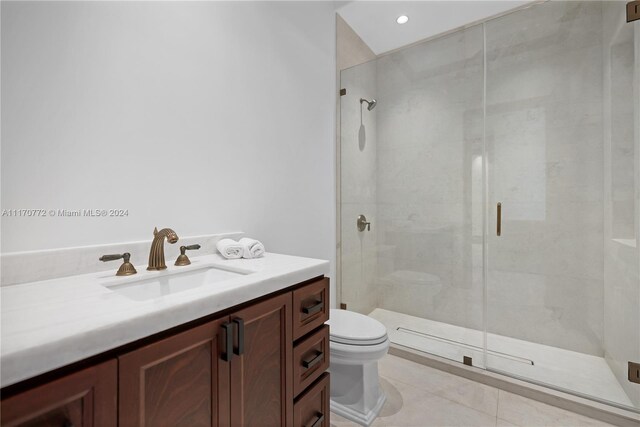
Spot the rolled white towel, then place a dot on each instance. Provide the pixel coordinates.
(230, 249)
(251, 248)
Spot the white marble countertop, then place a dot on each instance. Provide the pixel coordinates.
(52, 323)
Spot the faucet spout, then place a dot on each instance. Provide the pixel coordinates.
(156, 255)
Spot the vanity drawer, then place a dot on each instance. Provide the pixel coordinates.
(310, 359)
(310, 307)
(312, 408)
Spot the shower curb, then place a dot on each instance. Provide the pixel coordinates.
(569, 402)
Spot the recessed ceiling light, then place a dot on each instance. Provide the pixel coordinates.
(402, 19)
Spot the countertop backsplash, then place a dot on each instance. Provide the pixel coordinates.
(31, 266)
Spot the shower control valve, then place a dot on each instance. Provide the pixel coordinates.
(363, 223)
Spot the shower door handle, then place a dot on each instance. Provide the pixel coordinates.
(499, 219)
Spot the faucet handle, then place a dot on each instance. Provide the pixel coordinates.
(183, 259)
(112, 257)
(126, 269)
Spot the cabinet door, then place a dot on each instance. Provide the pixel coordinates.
(312, 407)
(178, 381)
(84, 398)
(261, 369)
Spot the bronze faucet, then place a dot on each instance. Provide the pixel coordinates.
(156, 256)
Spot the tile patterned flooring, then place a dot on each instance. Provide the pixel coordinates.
(420, 396)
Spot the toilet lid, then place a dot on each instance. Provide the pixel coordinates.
(349, 327)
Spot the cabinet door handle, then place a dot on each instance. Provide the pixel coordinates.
(499, 219)
(240, 323)
(318, 421)
(313, 361)
(228, 341)
(67, 423)
(319, 305)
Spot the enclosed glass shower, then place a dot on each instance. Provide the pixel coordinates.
(499, 172)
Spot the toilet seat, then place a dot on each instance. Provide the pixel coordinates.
(351, 328)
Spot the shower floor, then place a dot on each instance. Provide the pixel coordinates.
(568, 370)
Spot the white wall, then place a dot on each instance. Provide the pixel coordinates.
(203, 117)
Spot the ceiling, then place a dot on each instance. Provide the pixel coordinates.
(375, 21)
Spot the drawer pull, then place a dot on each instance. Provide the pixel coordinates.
(318, 306)
(313, 361)
(228, 341)
(318, 421)
(67, 423)
(240, 324)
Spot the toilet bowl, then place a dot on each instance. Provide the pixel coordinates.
(356, 343)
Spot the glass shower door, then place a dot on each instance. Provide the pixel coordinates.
(562, 253)
(412, 165)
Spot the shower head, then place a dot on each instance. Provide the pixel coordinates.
(371, 104)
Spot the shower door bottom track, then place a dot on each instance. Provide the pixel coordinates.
(465, 345)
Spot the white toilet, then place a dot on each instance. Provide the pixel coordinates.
(357, 342)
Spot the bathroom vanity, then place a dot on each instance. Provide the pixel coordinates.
(257, 358)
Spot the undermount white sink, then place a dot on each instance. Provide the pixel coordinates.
(171, 282)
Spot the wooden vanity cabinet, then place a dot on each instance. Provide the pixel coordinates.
(85, 398)
(198, 378)
(236, 369)
(262, 372)
(181, 380)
